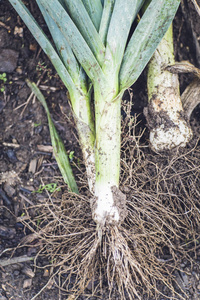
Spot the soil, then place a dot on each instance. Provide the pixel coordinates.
(27, 161)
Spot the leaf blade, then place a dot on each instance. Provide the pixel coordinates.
(124, 13)
(58, 146)
(44, 42)
(82, 51)
(62, 45)
(84, 24)
(94, 9)
(146, 37)
(105, 20)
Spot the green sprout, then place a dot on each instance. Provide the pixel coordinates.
(37, 124)
(38, 222)
(50, 187)
(3, 78)
(71, 155)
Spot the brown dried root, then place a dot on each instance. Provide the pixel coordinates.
(140, 255)
(128, 257)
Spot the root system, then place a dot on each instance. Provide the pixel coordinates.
(135, 258)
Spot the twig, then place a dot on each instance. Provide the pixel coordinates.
(5, 26)
(46, 87)
(44, 287)
(196, 6)
(26, 199)
(5, 250)
(30, 97)
(15, 260)
(13, 145)
(25, 103)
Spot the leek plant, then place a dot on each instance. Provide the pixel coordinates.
(165, 115)
(96, 53)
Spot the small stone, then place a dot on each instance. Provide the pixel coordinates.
(198, 286)
(8, 60)
(9, 189)
(18, 30)
(31, 251)
(33, 47)
(32, 166)
(27, 283)
(28, 271)
(11, 156)
(6, 232)
(24, 93)
(19, 70)
(4, 38)
(15, 273)
(46, 273)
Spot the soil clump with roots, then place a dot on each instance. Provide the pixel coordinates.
(137, 257)
(159, 237)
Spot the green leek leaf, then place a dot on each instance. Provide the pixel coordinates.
(44, 43)
(94, 9)
(145, 39)
(81, 49)
(123, 15)
(58, 146)
(84, 24)
(105, 20)
(62, 45)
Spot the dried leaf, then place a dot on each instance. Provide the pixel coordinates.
(183, 67)
(191, 97)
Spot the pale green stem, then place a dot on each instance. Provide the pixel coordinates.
(107, 153)
(86, 131)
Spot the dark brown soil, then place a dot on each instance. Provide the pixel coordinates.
(26, 160)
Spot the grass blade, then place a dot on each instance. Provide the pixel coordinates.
(58, 146)
(146, 37)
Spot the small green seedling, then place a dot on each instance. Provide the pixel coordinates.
(4, 79)
(41, 66)
(37, 124)
(50, 187)
(38, 222)
(71, 156)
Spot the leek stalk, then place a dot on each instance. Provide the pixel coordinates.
(168, 124)
(94, 36)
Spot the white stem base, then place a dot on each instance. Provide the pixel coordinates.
(162, 138)
(105, 209)
(165, 115)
